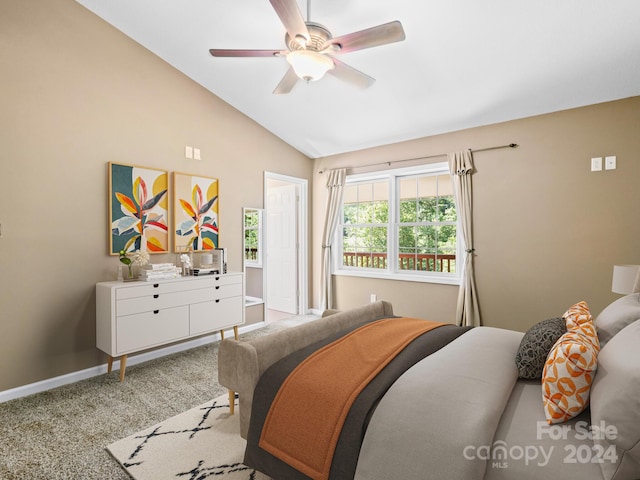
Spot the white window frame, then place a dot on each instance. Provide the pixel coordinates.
(391, 273)
(258, 228)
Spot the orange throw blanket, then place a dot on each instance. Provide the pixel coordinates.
(306, 417)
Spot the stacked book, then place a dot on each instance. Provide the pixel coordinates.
(159, 271)
(203, 271)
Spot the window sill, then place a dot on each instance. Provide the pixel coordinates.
(405, 277)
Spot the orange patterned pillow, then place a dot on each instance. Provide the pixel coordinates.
(570, 367)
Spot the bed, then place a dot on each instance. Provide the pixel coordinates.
(457, 406)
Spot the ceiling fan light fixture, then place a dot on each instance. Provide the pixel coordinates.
(309, 65)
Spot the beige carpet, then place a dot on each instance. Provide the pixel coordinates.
(200, 443)
(61, 434)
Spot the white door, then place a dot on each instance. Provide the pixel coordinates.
(282, 251)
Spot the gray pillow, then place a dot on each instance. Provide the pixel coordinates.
(616, 316)
(536, 345)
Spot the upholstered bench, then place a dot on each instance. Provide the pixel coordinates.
(240, 364)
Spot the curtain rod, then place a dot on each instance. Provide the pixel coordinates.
(511, 145)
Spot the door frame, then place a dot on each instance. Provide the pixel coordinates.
(302, 189)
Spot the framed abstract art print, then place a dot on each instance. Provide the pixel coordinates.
(195, 212)
(138, 209)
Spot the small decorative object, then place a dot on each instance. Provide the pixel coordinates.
(137, 258)
(222, 256)
(185, 260)
(125, 260)
(140, 258)
(206, 260)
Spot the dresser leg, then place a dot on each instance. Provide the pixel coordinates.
(109, 364)
(232, 402)
(221, 334)
(235, 332)
(123, 366)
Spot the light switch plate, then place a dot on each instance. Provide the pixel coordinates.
(610, 163)
(196, 154)
(188, 151)
(596, 164)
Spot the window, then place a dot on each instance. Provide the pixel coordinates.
(365, 224)
(252, 226)
(399, 224)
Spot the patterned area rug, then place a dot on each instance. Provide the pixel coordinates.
(195, 445)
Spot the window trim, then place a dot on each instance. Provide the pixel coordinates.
(392, 273)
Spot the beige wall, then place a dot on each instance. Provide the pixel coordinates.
(547, 230)
(76, 94)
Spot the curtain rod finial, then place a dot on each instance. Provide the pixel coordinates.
(514, 145)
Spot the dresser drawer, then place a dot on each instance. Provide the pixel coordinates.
(224, 291)
(142, 289)
(228, 279)
(218, 280)
(184, 284)
(160, 301)
(215, 315)
(144, 330)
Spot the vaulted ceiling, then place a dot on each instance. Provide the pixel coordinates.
(464, 63)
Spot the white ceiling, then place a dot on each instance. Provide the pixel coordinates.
(464, 63)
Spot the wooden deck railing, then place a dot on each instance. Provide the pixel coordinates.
(251, 253)
(406, 261)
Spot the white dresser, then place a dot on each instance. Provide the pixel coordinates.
(134, 316)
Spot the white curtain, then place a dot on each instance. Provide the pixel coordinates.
(461, 168)
(335, 186)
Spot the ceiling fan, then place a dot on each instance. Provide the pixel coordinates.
(311, 48)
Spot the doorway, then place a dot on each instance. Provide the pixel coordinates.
(286, 240)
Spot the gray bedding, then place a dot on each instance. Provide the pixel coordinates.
(348, 448)
(462, 414)
(444, 417)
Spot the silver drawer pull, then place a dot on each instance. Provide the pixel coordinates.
(156, 296)
(155, 312)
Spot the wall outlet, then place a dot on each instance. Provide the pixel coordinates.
(374, 297)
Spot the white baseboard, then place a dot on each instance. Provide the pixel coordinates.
(73, 377)
(315, 311)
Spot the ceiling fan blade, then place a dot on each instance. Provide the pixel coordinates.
(371, 37)
(350, 74)
(217, 52)
(291, 18)
(287, 83)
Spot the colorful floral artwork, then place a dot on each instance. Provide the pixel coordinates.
(138, 209)
(195, 211)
